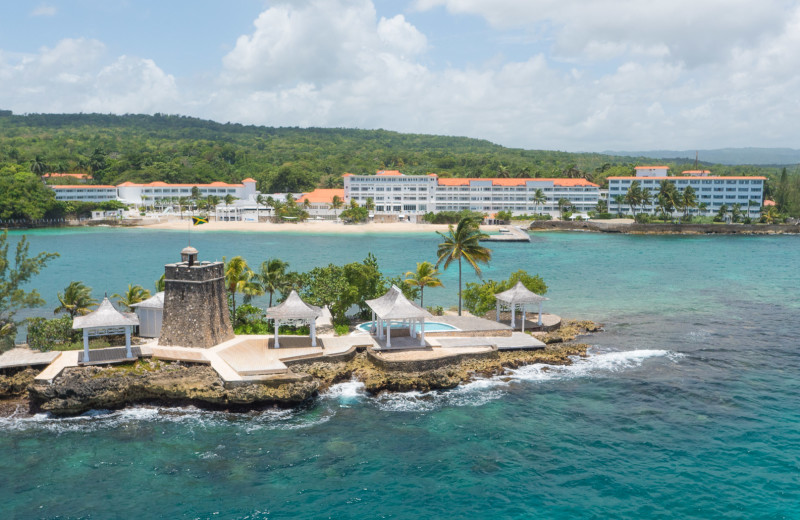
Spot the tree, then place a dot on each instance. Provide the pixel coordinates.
(479, 297)
(38, 166)
(633, 197)
(229, 199)
(76, 300)
(736, 212)
(688, 199)
(161, 283)
(646, 199)
(668, 197)
(370, 204)
(619, 200)
(563, 207)
(722, 214)
(271, 277)
(14, 274)
(426, 275)
(336, 203)
(538, 199)
(463, 242)
(237, 280)
(134, 294)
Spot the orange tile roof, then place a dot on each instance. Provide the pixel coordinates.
(249, 179)
(389, 172)
(322, 195)
(75, 175)
(453, 181)
(347, 175)
(703, 178)
(157, 184)
(81, 186)
(651, 167)
(696, 171)
(768, 202)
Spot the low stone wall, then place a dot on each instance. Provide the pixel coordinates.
(666, 229)
(299, 361)
(426, 364)
(468, 333)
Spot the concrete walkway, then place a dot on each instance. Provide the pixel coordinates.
(26, 357)
(66, 359)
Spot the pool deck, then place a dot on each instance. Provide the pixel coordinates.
(253, 359)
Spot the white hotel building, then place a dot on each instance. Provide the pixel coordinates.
(410, 196)
(748, 192)
(136, 194)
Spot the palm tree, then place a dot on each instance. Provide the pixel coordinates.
(336, 203)
(134, 294)
(370, 204)
(161, 283)
(237, 280)
(771, 215)
(271, 277)
(563, 206)
(75, 300)
(736, 212)
(702, 208)
(539, 198)
(38, 165)
(689, 199)
(646, 199)
(426, 275)
(722, 214)
(634, 196)
(463, 242)
(619, 200)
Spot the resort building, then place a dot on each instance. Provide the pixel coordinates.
(319, 203)
(84, 192)
(77, 177)
(134, 193)
(410, 196)
(710, 191)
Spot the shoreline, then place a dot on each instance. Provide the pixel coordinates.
(312, 227)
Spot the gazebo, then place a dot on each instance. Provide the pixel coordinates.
(294, 308)
(105, 321)
(394, 306)
(151, 314)
(519, 295)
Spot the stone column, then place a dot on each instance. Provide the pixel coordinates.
(277, 326)
(388, 333)
(523, 317)
(313, 326)
(128, 352)
(85, 345)
(422, 332)
(540, 313)
(513, 323)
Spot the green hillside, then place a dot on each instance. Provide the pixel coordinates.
(170, 148)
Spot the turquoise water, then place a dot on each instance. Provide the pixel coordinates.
(687, 407)
(430, 326)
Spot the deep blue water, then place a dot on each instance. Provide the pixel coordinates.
(688, 406)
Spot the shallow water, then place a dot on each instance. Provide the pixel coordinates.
(687, 406)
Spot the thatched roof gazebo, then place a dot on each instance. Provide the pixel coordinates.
(294, 308)
(105, 321)
(394, 306)
(519, 295)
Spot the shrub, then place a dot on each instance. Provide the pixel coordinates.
(479, 298)
(55, 334)
(341, 329)
(642, 218)
(437, 310)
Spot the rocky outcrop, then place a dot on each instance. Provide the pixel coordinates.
(16, 383)
(664, 228)
(80, 389)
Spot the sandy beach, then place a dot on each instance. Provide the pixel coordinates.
(310, 227)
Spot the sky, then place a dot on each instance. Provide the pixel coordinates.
(573, 75)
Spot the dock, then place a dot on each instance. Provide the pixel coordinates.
(509, 234)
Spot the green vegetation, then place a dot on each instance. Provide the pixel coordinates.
(55, 334)
(14, 274)
(140, 148)
(479, 297)
(451, 217)
(76, 300)
(135, 294)
(426, 275)
(463, 243)
(355, 214)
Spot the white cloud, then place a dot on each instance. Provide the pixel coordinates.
(619, 75)
(74, 76)
(44, 10)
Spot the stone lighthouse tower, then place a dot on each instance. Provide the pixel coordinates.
(195, 306)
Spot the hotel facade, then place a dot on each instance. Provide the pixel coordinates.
(136, 194)
(713, 191)
(411, 196)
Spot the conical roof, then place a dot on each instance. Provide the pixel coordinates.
(105, 316)
(519, 294)
(395, 306)
(294, 308)
(154, 302)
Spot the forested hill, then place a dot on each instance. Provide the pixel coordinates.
(143, 148)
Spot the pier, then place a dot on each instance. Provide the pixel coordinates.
(509, 234)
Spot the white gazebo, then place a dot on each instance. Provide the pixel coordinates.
(394, 306)
(105, 321)
(519, 295)
(294, 308)
(151, 314)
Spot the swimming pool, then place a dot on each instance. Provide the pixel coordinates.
(430, 326)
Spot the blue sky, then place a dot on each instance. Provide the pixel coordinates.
(554, 74)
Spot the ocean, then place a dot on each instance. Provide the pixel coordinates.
(688, 405)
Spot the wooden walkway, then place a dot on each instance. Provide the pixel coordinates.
(107, 356)
(25, 357)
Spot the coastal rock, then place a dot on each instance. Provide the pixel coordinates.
(15, 385)
(84, 388)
